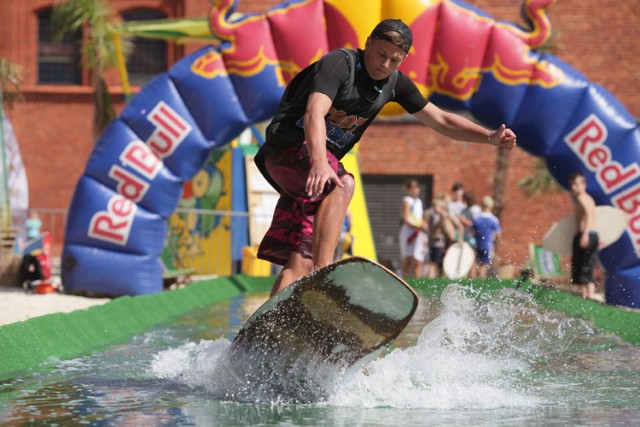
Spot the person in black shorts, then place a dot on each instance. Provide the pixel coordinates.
(585, 241)
(323, 113)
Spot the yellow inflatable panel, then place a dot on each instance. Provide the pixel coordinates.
(363, 15)
(407, 10)
(360, 226)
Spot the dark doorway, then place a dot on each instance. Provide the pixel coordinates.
(383, 195)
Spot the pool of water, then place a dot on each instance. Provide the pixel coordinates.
(492, 359)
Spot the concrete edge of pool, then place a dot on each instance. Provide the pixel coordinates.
(27, 345)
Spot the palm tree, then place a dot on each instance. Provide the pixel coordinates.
(541, 182)
(10, 81)
(500, 180)
(98, 51)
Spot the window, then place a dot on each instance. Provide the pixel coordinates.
(148, 56)
(59, 62)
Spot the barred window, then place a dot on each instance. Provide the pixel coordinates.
(59, 62)
(148, 56)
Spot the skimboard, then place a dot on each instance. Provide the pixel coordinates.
(610, 224)
(341, 314)
(458, 260)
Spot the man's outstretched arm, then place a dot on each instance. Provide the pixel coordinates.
(459, 128)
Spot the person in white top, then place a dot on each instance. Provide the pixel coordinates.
(456, 204)
(413, 232)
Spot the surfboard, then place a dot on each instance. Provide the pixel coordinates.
(610, 224)
(458, 260)
(342, 314)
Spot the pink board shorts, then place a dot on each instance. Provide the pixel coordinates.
(292, 224)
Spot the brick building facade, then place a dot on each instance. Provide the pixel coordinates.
(600, 39)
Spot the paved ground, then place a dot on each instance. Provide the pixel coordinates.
(17, 305)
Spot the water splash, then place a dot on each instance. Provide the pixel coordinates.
(479, 351)
(246, 377)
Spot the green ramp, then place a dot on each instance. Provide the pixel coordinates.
(621, 321)
(27, 345)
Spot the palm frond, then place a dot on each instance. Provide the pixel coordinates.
(10, 81)
(98, 49)
(541, 182)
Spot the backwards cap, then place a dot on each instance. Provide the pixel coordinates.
(394, 25)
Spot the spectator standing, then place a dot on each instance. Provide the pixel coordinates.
(455, 206)
(487, 229)
(456, 203)
(470, 211)
(413, 236)
(470, 201)
(441, 234)
(585, 241)
(33, 224)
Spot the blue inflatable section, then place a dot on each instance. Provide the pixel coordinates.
(133, 180)
(118, 216)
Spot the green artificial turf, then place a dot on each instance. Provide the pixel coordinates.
(30, 344)
(26, 345)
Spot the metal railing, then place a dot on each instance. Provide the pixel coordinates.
(53, 222)
(197, 239)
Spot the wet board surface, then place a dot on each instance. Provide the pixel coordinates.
(344, 313)
(610, 224)
(458, 260)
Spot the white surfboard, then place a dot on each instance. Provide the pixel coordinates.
(610, 224)
(458, 260)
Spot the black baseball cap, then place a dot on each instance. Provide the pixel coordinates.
(379, 32)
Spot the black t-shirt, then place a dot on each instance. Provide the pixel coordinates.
(357, 99)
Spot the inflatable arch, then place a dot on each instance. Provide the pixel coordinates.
(164, 136)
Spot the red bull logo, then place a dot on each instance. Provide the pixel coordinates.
(171, 130)
(114, 224)
(629, 201)
(138, 157)
(587, 142)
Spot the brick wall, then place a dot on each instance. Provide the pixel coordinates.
(598, 38)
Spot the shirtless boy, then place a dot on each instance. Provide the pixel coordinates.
(585, 242)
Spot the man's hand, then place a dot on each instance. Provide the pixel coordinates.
(315, 131)
(319, 175)
(503, 137)
(584, 241)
